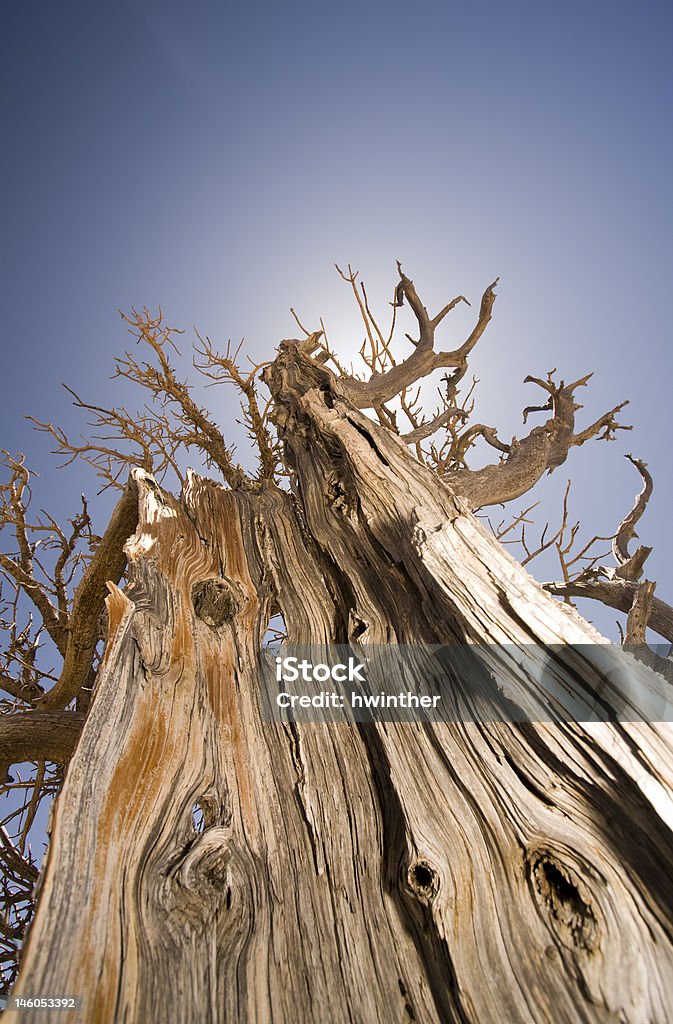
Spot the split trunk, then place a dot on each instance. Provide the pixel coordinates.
(450, 871)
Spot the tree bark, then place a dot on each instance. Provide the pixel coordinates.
(451, 871)
(38, 735)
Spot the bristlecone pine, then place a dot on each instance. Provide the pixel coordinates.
(451, 871)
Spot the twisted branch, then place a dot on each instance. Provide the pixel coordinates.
(384, 386)
(544, 449)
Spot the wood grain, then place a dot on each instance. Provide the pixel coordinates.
(453, 871)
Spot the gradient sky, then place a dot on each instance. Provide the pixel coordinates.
(218, 158)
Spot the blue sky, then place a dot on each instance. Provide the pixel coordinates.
(218, 159)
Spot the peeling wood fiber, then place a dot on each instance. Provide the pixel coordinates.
(447, 872)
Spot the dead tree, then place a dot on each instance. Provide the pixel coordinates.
(208, 864)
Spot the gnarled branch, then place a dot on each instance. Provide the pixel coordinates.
(617, 594)
(107, 563)
(544, 449)
(631, 566)
(440, 420)
(619, 588)
(384, 386)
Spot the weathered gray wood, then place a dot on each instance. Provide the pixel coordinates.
(447, 872)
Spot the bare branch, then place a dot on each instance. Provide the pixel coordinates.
(299, 323)
(194, 426)
(468, 438)
(385, 355)
(16, 863)
(618, 588)
(26, 692)
(384, 386)
(81, 525)
(631, 566)
(639, 613)
(351, 278)
(33, 805)
(174, 420)
(501, 530)
(617, 594)
(20, 566)
(38, 736)
(426, 325)
(149, 434)
(440, 420)
(544, 449)
(225, 369)
(107, 563)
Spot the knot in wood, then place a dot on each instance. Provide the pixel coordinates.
(200, 884)
(423, 881)
(565, 901)
(216, 601)
(206, 865)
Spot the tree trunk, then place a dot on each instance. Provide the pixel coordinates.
(450, 871)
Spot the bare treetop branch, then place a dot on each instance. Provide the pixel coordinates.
(384, 386)
(631, 566)
(544, 449)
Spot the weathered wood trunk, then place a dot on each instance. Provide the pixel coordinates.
(444, 872)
